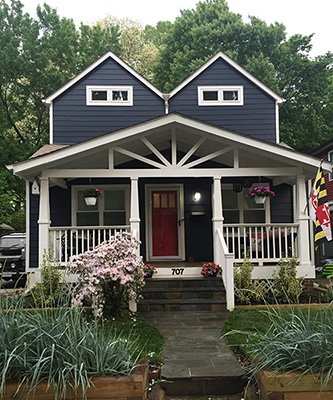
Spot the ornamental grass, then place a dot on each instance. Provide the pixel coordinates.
(60, 347)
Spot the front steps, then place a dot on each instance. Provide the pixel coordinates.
(179, 294)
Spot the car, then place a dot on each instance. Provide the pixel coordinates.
(12, 257)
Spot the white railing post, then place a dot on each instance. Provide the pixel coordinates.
(44, 219)
(135, 213)
(217, 215)
(303, 220)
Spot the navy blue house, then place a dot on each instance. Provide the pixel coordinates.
(174, 170)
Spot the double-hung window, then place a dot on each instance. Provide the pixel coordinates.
(220, 96)
(112, 209)
(237, 208)
(109, 95)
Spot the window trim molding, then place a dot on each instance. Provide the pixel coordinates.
(101, 208)
(109, 89)
(220, 101)
(330, 158)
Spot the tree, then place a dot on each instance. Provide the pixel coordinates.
(264, 50)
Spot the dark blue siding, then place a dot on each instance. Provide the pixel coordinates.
(74, 121)
(255, 118)
(60, 206)
(282, 204)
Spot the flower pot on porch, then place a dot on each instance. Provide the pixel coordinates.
(90, 201)
(260, 199)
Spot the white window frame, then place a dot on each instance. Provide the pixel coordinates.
(100, 202)
(220, 101)
(241, 204)
(109, 101)
(330, 158)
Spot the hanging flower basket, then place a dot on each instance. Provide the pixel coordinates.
(260, 193)
(91, 195)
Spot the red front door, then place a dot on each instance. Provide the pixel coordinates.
(164, 223)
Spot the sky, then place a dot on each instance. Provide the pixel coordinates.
(299, 16)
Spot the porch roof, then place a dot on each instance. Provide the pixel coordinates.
(172, 145)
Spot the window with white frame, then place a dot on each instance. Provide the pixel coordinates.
(109, 95)
(111, 209)
(220, 95)
(238, 209)
(330, 158)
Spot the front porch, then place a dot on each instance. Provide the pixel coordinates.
(159, 165)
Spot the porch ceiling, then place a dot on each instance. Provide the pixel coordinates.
(172, 141)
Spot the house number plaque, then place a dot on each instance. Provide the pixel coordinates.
(177, 271)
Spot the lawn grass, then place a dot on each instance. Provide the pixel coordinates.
(149, 339)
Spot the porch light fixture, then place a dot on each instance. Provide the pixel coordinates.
(197, 196)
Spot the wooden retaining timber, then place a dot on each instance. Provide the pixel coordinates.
(292, 386)
(133, 387)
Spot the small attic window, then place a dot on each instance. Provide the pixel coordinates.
(220, 95)
(109, 96)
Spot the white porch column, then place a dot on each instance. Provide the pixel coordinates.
(135, 224)
(217, 215)
(44, 218)
(303, 220)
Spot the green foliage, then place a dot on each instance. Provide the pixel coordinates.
(286, 287)
(300, 341)
(50, 292)
(60, 347)
(247, 290)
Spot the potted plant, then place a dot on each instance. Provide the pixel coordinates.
(260, 193)
(210, 270)
(91, 195)
(149, 271)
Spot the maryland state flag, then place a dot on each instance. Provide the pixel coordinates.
(319, 212)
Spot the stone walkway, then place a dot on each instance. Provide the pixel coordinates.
(196, 360)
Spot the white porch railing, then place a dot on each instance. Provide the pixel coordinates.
(263, 243)
(68, 241)
(226, 260)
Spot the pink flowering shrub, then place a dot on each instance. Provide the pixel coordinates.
(109, 275)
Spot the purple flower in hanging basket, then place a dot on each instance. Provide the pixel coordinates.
(260, 191)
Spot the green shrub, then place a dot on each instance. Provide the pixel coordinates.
(49, 292)
(247, 290)
(286, 287)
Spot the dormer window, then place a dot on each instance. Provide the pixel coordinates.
(109, 96)
(220, 95)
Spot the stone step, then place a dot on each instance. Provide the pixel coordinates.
(182, 305)
(199, 282)
(182, 294)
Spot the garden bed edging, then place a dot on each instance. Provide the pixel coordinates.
(129, 387)
(292, 386)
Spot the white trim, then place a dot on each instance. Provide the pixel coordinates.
(220, 91)
(180, 214)
(41, 163)
(94, 65)
(109, 95)
(101, 208)
(240, 69)
(27, 226)
(330, 159)
(277, 122)
(51, 123)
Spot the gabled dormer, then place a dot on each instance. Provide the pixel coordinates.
(223, 93)
(107, 96)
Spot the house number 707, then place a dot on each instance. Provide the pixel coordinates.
(177, 271)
